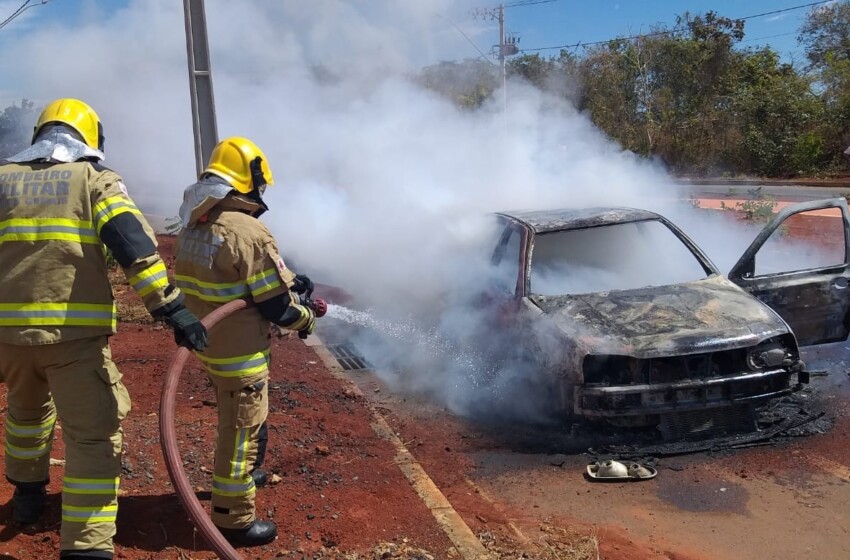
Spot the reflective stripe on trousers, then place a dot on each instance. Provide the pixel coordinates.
(77, 382)
(237, 366)
(242, 410)
(29, 440)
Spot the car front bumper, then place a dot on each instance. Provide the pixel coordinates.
(693, 394)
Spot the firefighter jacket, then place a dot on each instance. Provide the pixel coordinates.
(226, 255)
(56, 222)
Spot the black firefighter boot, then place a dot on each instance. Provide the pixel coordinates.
(28, 501)
(85, 555)
(259, 477)
(255, 534)
(258, 474)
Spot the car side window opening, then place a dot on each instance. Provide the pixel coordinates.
(611, 257)
(506, 261)
(805, 241)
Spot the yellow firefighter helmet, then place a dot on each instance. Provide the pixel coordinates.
(231, 160)
(75, 114)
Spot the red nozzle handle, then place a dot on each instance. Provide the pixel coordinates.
(320, 307)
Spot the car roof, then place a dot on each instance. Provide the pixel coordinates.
(543, 221)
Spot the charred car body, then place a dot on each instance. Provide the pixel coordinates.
(630, 321)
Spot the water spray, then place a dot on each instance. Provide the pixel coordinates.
(476, 365)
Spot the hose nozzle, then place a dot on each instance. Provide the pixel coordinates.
(318, 305)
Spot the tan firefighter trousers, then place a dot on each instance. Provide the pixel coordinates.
(77, 382)
(243, 405)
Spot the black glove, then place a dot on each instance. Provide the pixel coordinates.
(308, 330)
(188, 330)
(258, 180)
(302, 284)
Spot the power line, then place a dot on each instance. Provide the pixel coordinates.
(15, 14)
(769, 37)
(24, 7)
(788, 9)
(669, 31)
(527, 3)
(465, 36)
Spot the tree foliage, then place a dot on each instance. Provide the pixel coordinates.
(689, 95)
(16, 127)
(825, 35)
(694, 97)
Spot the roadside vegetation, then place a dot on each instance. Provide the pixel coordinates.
(691, 95)
(695, 96)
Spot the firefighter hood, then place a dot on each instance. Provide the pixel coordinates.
(56, 144)
(210, 191)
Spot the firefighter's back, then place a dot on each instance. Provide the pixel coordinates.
(55, 273)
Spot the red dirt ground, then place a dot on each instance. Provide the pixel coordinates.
(339, 488)
(340, 493)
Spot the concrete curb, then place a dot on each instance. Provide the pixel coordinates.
(449, 520)
(839, 183)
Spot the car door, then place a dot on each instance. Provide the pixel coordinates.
(807, 285)
(507, 282)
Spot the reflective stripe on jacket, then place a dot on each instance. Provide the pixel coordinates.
(54, 221)
(228, 256)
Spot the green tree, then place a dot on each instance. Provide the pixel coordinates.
(608, 93)
(554, 75)
(469, 83)
(533, 68)
(692, 97)
(825, 36)
(16, 127)
(776, 118)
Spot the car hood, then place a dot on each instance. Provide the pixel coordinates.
(701, 316)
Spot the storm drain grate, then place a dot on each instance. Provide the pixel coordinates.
(709, 423)
(347, 358)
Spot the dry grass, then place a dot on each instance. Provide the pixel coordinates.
(554, 543)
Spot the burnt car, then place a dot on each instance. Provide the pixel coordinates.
(630, 321)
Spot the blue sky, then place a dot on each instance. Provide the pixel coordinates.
(558, 22)
(563, 22)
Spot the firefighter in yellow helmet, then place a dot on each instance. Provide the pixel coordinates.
(60, 209)
(225, 253)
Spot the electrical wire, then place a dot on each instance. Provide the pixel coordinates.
(465, 36)
(669, 31)
(527, 3)
(769, 37)
(15, 14)
(788, 9)
(24, 7)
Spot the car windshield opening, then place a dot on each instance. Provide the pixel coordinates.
(612, 257)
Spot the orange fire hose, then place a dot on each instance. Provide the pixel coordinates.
(168, 436)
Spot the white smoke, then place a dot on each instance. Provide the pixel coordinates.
(382, 188)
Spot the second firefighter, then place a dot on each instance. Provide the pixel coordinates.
(225, 253)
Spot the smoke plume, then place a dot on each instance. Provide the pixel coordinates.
(382, 188)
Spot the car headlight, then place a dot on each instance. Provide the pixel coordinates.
(769, 354)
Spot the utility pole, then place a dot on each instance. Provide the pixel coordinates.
(204, 127)
(507, 45)
(503, 57)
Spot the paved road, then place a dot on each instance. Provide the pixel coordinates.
(786, 501)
